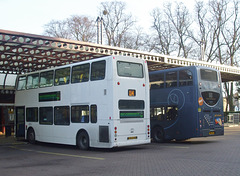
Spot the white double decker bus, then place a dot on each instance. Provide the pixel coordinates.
(102, 103)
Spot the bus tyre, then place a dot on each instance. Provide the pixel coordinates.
(83, 140)
(158, 134)
(31, 136)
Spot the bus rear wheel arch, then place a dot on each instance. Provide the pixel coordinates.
(158, 134)
(82, 140)
(31, 136)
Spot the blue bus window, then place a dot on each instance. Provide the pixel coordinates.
(171, 79)
(185, 78)
(157, 81)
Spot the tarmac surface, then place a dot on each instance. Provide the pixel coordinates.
(209, 156)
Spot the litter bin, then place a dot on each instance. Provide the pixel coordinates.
(7, 130)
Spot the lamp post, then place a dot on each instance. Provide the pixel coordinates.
(202, 50)
(99, 30)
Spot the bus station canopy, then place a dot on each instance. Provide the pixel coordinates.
(21, 53)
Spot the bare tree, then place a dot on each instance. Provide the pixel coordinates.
(79, 28)
(116, 22)
(136, 39)
(231, 34)
(82, 28)
(57, 29)
(180, 21)
(171, 26)
(163, 42)
(231, 37)
(201, 33)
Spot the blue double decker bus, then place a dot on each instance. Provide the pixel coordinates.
(186, 102)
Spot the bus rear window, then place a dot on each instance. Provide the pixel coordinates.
(128, 69)
(208, 75)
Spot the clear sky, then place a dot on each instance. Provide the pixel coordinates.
(30, 16)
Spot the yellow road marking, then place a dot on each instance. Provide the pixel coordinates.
(59, 154)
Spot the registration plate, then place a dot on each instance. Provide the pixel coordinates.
(211, 132)
(133, 137)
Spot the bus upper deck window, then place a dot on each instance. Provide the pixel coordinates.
(32, 81)
(185, 78)
(156, 81)
(62, 76)
(46, 79)
(171, 79)
(21, 83)
(128, 69)
(80, 73)
(98, 70)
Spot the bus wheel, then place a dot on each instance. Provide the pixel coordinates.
(31, 136)
(158, 134)
(83, 140)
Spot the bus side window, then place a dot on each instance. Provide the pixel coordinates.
(80, 114)
(61, 115)
(98, 70)
(32, 81)
(46, 79)
(157, 113)
(80, 73)
(21, 83)
(171, 79)
(185, 78)
(62, 76)
(46, 115)
(171, 113)
(32, 114)
(93, 113)
(157, 81)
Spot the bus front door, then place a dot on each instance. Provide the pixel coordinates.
(20, 122)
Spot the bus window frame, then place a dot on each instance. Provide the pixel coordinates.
(98, 73)
(32, 111)
(47, 114)
(51, 81)
(20, 81)
(32, 84)
(93, 113)
(64, 113)
(157, 83)
(122, 74)
(61, 78)
(83, 75)
(171, 79)
(80, 118)
(185, 82)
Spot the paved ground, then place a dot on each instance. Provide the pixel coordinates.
(200, 156)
